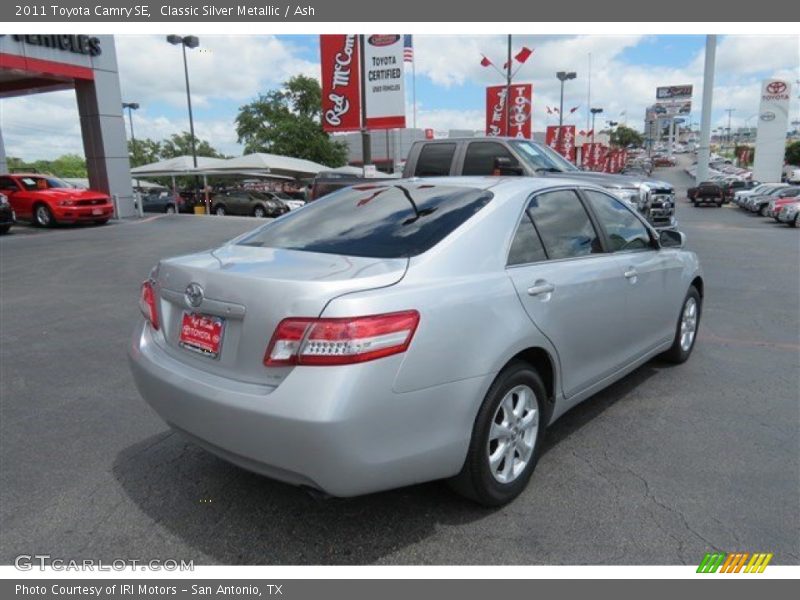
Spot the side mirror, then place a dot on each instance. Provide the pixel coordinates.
(669, 238)
(504, 166)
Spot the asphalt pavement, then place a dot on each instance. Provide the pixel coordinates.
(662, 467)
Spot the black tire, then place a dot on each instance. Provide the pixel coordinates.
(259, 212)
(796, 222)
(677, 354)
(476, 481)
(43, 216)
(101, 222)
(170, 209)
(219, 210)
(763, 210)
(718, 203)
(4, 229)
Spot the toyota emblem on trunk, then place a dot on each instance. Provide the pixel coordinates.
(193, 295)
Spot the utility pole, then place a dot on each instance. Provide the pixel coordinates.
(508, 88)
(366, 146)
(729, 111)
(704, 147)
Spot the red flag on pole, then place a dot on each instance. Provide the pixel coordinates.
(555, 110)
(549, 112)
(573, 109)
(485, 62)
(523, 54)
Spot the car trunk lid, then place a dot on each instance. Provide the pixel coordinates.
(253, 289)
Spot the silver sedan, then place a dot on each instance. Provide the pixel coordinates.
(406, 331)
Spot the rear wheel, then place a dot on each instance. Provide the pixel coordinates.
(763, 210)
(796, 221)
(219, 210)
(259, 212)
(170, 209)
(505, 439)
(686, 330)
(43, 216)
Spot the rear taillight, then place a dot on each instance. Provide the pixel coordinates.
(147, 303)
(305, 341)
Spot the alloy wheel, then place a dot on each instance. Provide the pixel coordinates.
(512, 435)
(688, 324)
(43, 215)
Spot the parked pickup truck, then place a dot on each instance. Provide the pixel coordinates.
(708, 192)
(513, 156)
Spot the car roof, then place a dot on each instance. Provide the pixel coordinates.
(26, 175)
(510, 184)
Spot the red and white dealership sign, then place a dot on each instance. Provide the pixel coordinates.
(384, 82)
(341, 92)
(521, 105)
(594, 156)
(564, 144)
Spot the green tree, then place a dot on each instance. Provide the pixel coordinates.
(793, 153)
(180, 144)
(287, 122)
(625, 136)
(144, 152)
(69, 165)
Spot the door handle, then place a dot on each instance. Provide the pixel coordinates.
(541, 287)
(630, 273)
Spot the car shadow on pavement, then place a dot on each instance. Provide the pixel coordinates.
(237, 517)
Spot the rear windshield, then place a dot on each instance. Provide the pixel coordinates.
(374, 220)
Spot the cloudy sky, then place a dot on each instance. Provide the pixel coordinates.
(228, 71)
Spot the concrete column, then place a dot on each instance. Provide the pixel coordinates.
(704, 145)
(3, 162)
(103, 131)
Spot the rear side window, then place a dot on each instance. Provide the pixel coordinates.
(563, 225)
(625, 231)
(435, 160)
(6, 183)
(374, 220)
(481, 156)
(526, 246)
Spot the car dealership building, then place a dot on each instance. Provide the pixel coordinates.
(31, 64)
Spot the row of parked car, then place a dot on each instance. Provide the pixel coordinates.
(779, 201)
(242, 202)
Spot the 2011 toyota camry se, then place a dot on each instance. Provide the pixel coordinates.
(412, 330)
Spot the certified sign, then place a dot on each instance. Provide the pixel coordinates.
(384, 82)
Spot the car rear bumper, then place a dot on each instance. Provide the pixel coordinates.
(342, 430)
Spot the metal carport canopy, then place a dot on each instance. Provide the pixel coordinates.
(180, 165)
(271, 164)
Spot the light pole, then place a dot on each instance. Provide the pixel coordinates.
(595, 112)
(188, 41)
(562, 77)
(132, 106)
(729, 111)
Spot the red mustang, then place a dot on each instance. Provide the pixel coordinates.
(46, 200)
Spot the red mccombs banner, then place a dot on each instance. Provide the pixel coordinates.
(341, 90)
(593, 156)
(564, 144)
(521, 110)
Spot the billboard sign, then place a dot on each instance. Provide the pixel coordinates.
(773, 122)
(564, 143)
(521, 111)
(384, 82)
(674, 92)
(593, 156)
(672, 108)
(341, 92)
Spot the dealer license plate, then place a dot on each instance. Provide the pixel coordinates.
(97, 211)
(202, 334)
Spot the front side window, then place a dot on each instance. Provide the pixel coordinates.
(374, 220)
(480, 158)
(435, 160)
(564, 225)
(625, 231)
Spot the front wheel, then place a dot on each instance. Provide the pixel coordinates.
(506, 438)
(259, 212)
(219, 211)
(796, 221)
(686, 330)
(170, 209)
(43, 216)
(763, 211)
